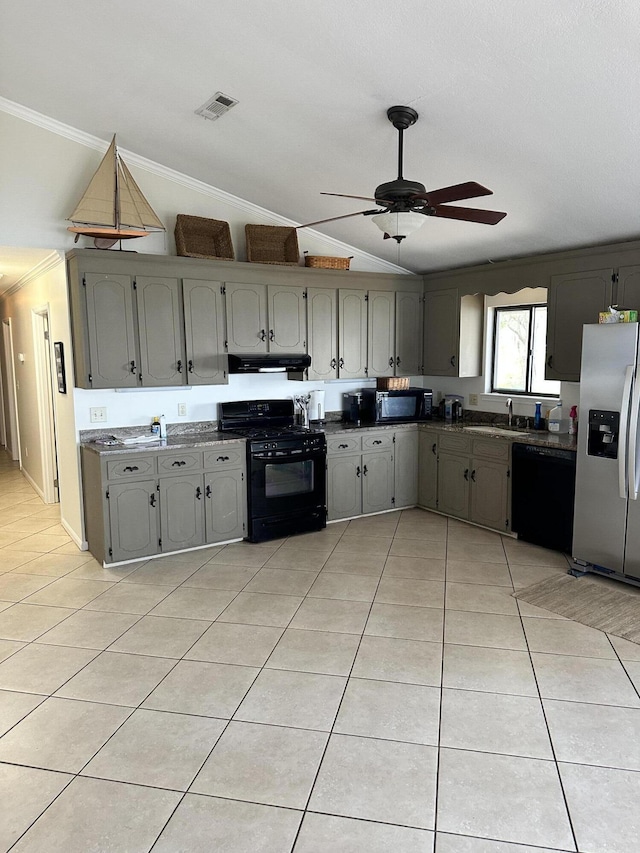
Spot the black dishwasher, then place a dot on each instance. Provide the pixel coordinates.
(544, 480)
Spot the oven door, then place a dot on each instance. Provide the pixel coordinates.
(286, 482)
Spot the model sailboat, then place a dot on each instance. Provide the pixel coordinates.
(113, 207)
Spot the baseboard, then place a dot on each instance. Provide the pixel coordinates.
(81, 543)
(33, 484)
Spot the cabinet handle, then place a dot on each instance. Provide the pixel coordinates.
(130, 468)
(132, 368)
(377, 441)
(466, 474)
(398, 361)
(263, 335)
(391, 361)
(178, 463)
(341, 363)
(358, 471)
(272, 335)
(198, 493)
(473, 475)
(343, 446)
(179, 365)
(222, 459)
(452, 361)
(207, 492)
(550, 361)
(190, 366)
(364, 471)
(433, 448)
(152, 499)
(333, 364)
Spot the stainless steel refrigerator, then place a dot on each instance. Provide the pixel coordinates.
(606, 529)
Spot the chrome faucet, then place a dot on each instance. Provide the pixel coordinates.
(510, 411)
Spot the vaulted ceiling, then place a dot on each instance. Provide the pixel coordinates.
(537, 100)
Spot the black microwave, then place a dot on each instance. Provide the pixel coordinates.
(407, 404)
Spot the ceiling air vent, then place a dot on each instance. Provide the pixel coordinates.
(216, 106)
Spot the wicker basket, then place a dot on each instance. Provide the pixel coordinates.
(392, 383)
(326, 262)
(272, 244)
(199, 237)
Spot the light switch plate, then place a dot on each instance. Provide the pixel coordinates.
(98, 414)
(473, 399)
(182, 410)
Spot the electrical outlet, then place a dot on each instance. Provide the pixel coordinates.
(182, 410)
(98, 414)
(473, 399)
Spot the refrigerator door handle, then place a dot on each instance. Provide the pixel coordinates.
(624, 432)
(632, 452)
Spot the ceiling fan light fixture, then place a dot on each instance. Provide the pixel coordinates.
(399, 225)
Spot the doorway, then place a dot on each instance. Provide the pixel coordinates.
(11, 422)
(46, 410)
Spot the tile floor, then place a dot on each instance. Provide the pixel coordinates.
(373, 687)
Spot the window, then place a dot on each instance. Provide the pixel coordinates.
(518, 357)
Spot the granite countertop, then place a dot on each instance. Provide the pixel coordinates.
(542, 438)
(186, 441)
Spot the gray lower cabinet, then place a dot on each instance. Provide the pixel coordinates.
(344, 486)
(406, 468)
(139, 506)
(360, 474)
(453, 484)
(160, 324)
(489, 504)
(428, 469)
(207, 362)
(133, 520)
(377, 481)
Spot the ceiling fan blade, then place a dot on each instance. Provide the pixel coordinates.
(469, 214)
(333, 218)
(361, 197)
(458, 192)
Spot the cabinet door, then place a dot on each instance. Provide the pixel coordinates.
(181, 512)
(352, 334)
(224, 505)
(344, 486)
(246, 317)
(573, 300)
(322, 332)
(377, 481)
(112, 349)
(287, 319)
(133, 520)
(409, 333)
(441, 332)
(628, 291)
(381, 333)
(453, 484)
(160, 330)
(207, 362)
(428, 470)
(489, 490)
(406, 468)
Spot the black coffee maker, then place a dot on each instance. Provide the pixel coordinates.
(353, 408)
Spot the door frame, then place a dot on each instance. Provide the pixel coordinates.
(42, 351)
(12, 428)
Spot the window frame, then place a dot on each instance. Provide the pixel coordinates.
(527, 391)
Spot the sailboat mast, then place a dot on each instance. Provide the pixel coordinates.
(116, 195)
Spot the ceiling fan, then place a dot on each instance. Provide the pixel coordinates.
(403, 203)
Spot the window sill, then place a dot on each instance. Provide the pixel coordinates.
(520, 398)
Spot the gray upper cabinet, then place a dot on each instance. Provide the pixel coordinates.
(246, 318)
(322, 332)
(573, 300)
(112, 359)
(287, 319)
(628, 289)
(409, 333)
(452, 333)
(381, 333)
(207, 362)
(162, 360)
(352, 334)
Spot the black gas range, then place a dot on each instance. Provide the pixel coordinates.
(286, 468)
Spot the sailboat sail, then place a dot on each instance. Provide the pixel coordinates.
(113, 206)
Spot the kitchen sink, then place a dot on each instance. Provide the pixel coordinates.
(495, 430)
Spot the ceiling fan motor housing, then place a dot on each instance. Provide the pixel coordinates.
(400, 192)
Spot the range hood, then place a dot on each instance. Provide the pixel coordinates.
(268, 363)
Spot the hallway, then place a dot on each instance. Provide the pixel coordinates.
(372, 687)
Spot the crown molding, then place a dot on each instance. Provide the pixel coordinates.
(52, 260)
(133, 159)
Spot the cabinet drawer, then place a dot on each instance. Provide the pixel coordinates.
(497, 449)
(131, 466)
(454, 443)
(377, 441)
(179, 462)
(225, 457)
(344, 444)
